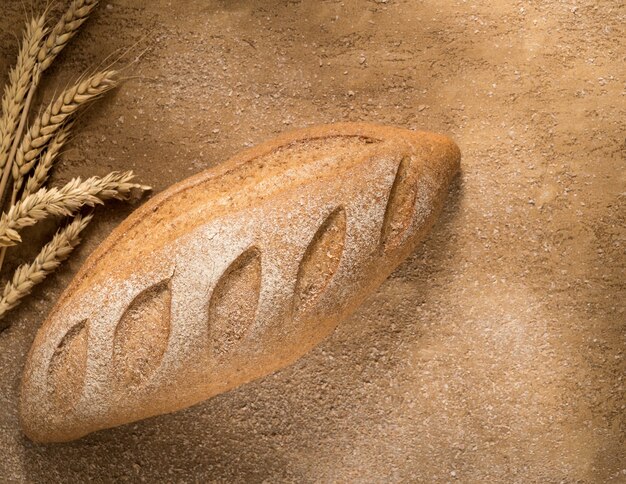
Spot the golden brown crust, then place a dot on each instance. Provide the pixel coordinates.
(232, 274)
(323, 131)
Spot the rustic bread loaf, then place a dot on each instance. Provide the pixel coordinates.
(232, 274)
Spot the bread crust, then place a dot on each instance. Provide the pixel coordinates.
(232, 274)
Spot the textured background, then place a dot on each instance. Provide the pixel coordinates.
(496, 353)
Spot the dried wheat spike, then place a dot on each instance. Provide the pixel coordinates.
(64, 30)
(49, 258)
(43, 167)
(53, 118)
(19, 83)
(64, 201)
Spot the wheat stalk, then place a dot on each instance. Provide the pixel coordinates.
(43, 167)
(49, 258)
(24, 150)
(35, 57)
(17, 89)
(63, 201)
(53, 118)
(64, 30)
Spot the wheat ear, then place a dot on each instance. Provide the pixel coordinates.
(53, 118)
(64, 30)
(44, 165)
(49, 258)
(63, 201)
(55, 115)
(17, 89)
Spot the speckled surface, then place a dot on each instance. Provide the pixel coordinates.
(495, 353)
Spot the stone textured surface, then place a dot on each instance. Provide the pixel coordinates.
(496, 353)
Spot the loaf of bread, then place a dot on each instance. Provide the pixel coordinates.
(232, 274)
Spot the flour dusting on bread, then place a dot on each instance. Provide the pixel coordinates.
(232, 274)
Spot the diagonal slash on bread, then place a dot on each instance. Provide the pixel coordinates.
(232, 274)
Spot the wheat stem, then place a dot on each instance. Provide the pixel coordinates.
(42, 170)
(5, 175)
(35, 56)
(18, 136)
(18, 96)
(49, 258)
(64, 30)
(53, 118)
(19, 83)
(63, 201)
